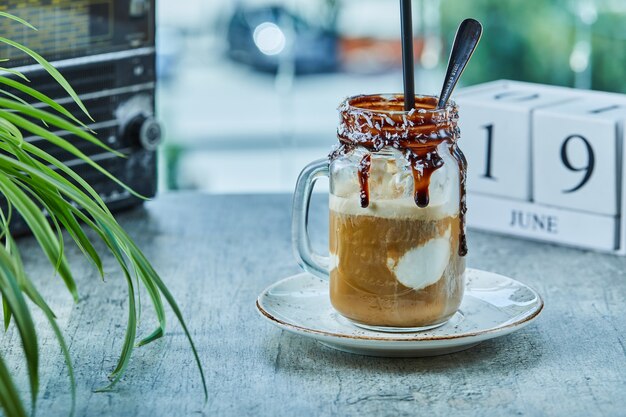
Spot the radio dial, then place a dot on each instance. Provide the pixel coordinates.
(137, 123)
(146, 130)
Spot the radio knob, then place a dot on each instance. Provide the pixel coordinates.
(146, 130)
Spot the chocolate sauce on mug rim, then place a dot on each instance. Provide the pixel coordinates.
(376, 121)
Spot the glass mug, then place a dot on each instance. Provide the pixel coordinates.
(397, 214)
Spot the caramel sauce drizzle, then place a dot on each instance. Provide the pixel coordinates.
(374, 122)
(423, 165)
(364, 176)
(456, 152)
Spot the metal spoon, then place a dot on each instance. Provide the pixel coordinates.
(465, 42)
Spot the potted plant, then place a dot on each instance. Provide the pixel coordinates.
(31, 182)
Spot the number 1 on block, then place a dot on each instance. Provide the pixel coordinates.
(488, 153)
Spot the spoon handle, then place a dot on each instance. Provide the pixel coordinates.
(465, 41)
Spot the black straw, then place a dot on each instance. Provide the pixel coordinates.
(407, 54)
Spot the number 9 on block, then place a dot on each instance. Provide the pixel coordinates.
(577, 155)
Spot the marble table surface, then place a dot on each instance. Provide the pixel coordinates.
(217, 253)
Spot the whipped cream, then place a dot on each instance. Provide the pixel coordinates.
(391, 189)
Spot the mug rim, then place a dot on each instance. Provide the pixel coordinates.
(347, 104)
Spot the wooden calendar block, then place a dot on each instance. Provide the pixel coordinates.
(574, 165)
(577, 154)
(496, 135)
(540, 222)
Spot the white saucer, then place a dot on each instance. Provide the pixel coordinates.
(493, 306)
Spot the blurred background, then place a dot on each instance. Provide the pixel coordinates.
(248, 89)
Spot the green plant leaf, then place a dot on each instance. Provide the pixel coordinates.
(51, 70)
(42, 98)
(17, 19)
(6, 310)
(39, 301)
(19, 143)
(6, 314)
(23, 320)
(13, 96)
(17, 168)
(69, 222)
(15, 72)
(134, 253)
(29, 289)
(64, 144)
(9, 398)
(131, 327)
(54, 121)
(41, 230)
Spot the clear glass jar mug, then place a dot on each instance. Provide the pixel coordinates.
(397, 214)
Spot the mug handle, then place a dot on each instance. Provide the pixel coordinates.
(309, 260)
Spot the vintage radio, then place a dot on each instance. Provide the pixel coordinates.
(106, 50)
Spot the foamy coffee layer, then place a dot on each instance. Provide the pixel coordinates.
(398, 272)
(391, 209)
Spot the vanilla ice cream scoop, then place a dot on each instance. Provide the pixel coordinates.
(424, 265)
